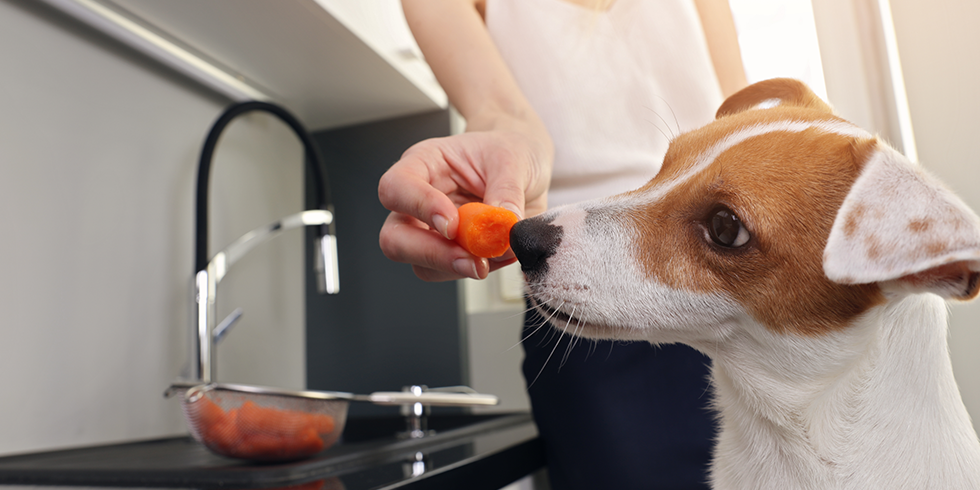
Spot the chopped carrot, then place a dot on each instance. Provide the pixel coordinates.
(213, 424)
(324, 423)
(260, 433)
(308, 441)
(484, 230)
(207, 412)
(255, 419)
(221, 435)
(268, 447)
(260, 446)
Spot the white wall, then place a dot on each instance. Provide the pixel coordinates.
(98, 151)
(778, 38)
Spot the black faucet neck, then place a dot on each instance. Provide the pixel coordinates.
(313, 158)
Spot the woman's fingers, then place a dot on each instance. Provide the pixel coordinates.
(433, 258)
(407, 188)
(423, 189)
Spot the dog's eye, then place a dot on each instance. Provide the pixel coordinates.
(726, 229)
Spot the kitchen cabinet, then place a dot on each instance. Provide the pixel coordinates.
(324, 60)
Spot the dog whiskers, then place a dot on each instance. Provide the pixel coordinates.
(593, 345)
(538, 327)
(558, 332)
(571, 344)
(673, 134)
(662, 132)
(548, 359)
(525, 311)
(677, 124)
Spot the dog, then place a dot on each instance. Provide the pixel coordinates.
(811, 262)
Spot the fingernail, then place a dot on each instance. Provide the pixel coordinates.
(512, 208)
(442, 225)
(465, 267)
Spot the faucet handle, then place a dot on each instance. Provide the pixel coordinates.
(225, 325)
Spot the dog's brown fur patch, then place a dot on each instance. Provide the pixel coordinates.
(786, 187)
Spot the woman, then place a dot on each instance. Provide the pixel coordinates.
(567, 100)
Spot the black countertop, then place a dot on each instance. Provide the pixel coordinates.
(466, 451)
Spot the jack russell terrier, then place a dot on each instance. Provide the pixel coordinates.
(811, 262)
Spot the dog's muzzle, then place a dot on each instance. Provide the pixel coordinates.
(533, 241)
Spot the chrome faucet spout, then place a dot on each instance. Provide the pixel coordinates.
(209, 272)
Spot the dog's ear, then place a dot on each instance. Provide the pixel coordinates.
(771, 93)
(900, 227)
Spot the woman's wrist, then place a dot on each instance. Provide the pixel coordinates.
(522, 121)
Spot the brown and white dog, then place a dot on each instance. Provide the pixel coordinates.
(811, 262)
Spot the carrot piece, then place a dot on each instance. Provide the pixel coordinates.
(323, 423)
(215, 426)
(261, 433)
(260, 446)
(309, 442)
(484, 230)
(271, 434)
(253, 418)
(206, 412)
(270, 447)
(221, 435)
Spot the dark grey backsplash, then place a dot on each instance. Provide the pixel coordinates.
(387, 328)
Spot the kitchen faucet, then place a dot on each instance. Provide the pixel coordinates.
(209, 272)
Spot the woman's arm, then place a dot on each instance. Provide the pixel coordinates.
(719, 29)
(458, 48)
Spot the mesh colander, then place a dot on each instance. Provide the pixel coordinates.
(263, 424)
(272, 424)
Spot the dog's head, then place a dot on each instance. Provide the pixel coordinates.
(778, 212)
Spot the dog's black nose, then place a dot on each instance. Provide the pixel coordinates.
(533, 241)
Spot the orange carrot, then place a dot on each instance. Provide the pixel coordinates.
(253, 418)
(261, 433)
(222, 436)
(323, 423)
(260, 446)
(269, 447)
(484, 230)
(308, 442)
(207, 412)
(214, 425)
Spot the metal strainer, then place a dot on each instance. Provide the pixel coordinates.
(271, 424)
(262, 424)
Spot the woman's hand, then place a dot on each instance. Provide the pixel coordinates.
(507, 166)
(504, 159)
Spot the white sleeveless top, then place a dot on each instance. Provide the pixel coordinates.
(611, 86)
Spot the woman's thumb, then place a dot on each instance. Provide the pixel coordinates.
(507, 194)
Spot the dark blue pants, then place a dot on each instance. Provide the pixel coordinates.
(619, 416)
